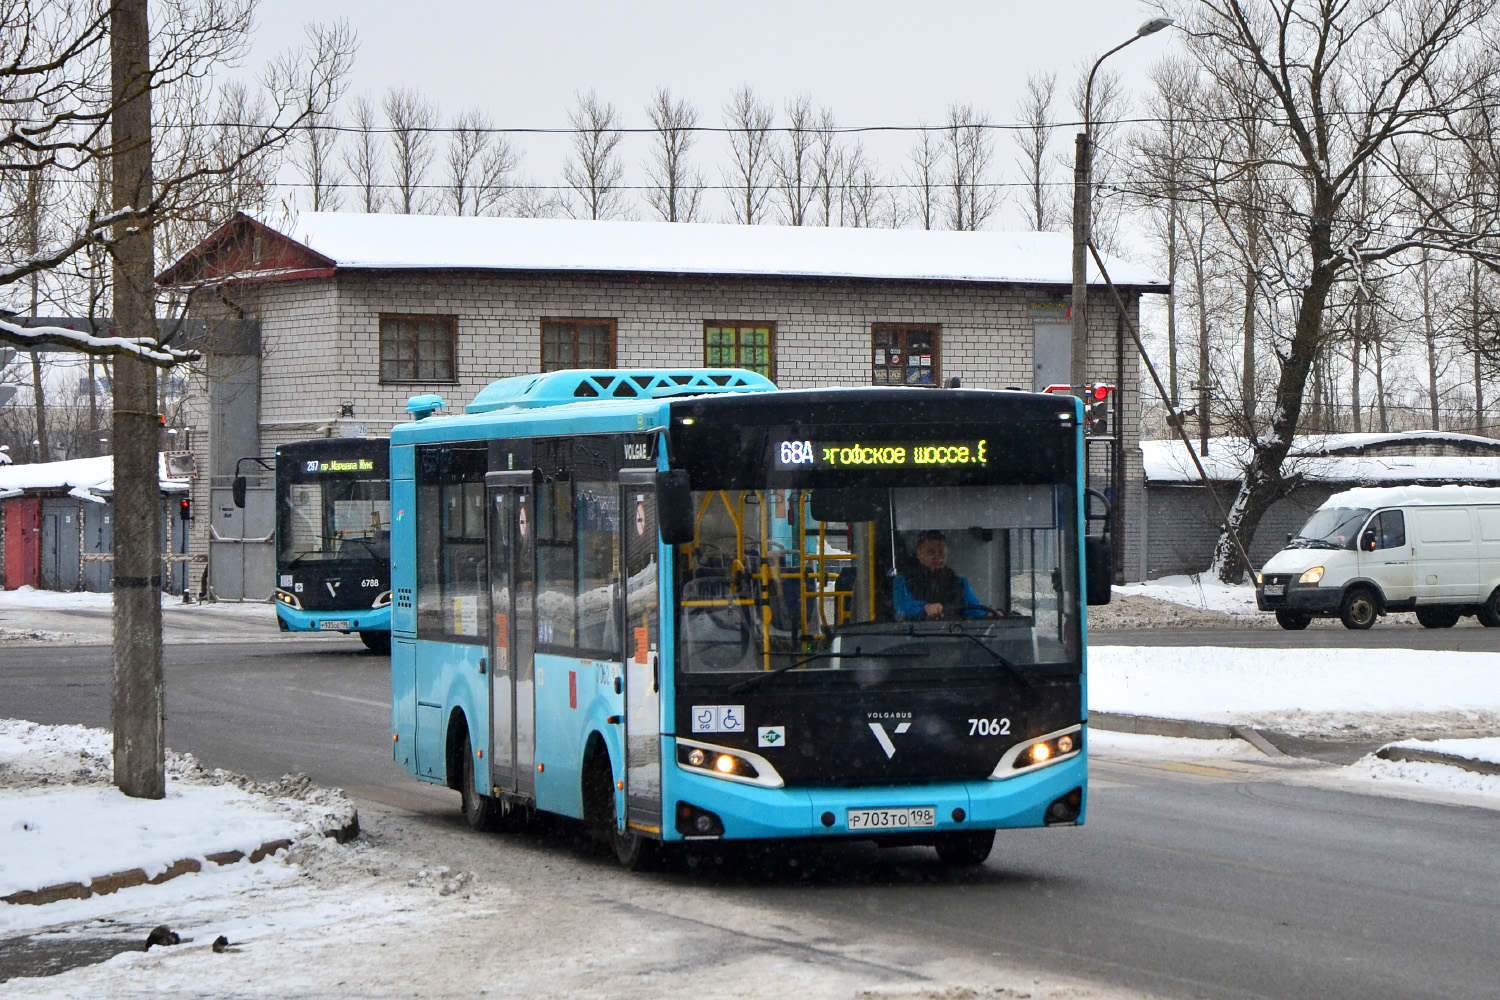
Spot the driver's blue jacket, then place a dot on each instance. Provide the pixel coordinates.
(908, 608)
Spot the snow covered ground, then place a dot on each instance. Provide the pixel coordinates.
(1202, 592)
(46, 616)
(1331, 692)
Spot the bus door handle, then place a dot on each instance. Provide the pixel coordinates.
(483, 664)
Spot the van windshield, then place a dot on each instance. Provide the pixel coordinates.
(1331, 528)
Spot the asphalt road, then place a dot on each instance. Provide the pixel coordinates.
(1240, 880)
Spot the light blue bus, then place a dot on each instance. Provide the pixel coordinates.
(683, 605)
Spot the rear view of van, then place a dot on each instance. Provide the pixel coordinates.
(1434, 550)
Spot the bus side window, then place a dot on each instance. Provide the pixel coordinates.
(598, 566)
(556, 565)
(452, 573)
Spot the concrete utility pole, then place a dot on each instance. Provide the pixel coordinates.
(1083, 222)
(140, 749)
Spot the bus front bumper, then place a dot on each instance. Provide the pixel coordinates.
(366, 620)
(750, 812)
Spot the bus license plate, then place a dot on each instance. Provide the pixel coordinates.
(336, 625)
(907, 818)
(1275, 589)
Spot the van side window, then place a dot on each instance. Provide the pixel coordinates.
(1392, 529)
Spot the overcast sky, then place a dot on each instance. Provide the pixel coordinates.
(874, 62)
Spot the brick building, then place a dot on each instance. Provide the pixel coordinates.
(326, 324)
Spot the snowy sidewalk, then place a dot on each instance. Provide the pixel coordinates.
(36, 617)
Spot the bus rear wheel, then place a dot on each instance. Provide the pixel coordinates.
(966, 849)
(481, 812)
(377, 642)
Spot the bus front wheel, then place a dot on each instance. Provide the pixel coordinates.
(634, 852)
(966, 849)
(377, 642)
(481, 812)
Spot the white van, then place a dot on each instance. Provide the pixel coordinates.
(1434, 550)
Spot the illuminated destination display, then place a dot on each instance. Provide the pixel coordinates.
(340, 465)
(879, 455)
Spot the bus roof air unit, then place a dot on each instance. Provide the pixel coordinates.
(587, 384)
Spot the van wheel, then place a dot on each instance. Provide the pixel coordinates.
(481, 812)
(1489, 611)
(1360, 609)
(1438, 617)
(1293, 621)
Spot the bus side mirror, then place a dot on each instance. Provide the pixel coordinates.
(238, 489)
(674, 506)
(1098, 567)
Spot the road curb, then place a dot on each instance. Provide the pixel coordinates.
(1149, 725)
(1416, 756)
(106, 884)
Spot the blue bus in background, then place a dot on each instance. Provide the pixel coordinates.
(333, 538)
(685, 606)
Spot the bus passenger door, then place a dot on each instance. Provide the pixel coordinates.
(502, 680)
(642, 617)
(512, 530)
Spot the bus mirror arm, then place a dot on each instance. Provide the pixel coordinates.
(674, 506)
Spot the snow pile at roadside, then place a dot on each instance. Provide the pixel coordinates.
(1487, 750)
(29, 598)
(1301, 691)
(64, 822)
(1201, 592)
(1442, 777)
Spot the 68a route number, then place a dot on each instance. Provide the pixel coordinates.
(989, 727)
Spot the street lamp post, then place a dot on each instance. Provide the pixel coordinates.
(1083, 180)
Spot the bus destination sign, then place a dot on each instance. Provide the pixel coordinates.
(880, 455)
(340, 465)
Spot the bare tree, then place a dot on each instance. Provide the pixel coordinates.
(968, 151)
(751, 153)
(362, 154)
(676, 187)
(595, 170)
(796, 162)
(479, 165)
(1347, 82)
(1034, 113)
(411, 119)
(923, 176)
(315, 155)
(828, 164)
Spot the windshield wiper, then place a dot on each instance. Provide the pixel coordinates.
(750, 682)
(1006, 665)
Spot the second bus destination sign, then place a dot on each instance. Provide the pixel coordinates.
(881, 455)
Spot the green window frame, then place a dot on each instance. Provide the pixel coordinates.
(734, 344)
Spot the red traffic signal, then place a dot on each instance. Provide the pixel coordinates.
(185, 509)
(1102, 391)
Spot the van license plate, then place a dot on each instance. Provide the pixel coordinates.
(907, 818)
(335, 625)
(1275, 589)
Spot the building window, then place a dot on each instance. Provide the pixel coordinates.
(418, 348)
(577, 343)
(905, 354)
(741, 345)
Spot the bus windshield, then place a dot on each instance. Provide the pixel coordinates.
(882, 580)
(329, 520)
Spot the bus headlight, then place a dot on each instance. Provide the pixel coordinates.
(1311, 576)
(382, 599)
(289, 600)
(1039, 752)
(728, 763)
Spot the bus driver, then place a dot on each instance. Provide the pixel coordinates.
(931, 589)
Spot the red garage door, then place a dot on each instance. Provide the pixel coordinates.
(23, 543)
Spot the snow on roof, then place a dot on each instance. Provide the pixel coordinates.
(1387, 496)
(85, 478)
(1167, 461)
(359, 240)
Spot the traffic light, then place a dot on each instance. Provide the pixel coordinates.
(1096, 408)
(185, 509)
